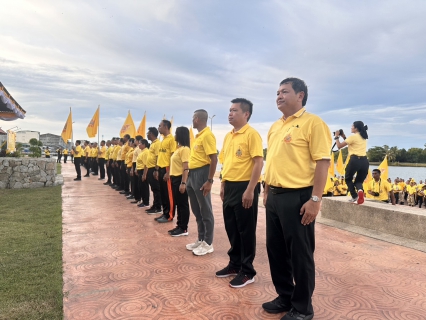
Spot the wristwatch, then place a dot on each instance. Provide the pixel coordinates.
(315, 199)
(183, 183)
(210, 180)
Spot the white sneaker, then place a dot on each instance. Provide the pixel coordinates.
(203, 249)
(194, 245)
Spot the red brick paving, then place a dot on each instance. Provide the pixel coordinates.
(121, 264)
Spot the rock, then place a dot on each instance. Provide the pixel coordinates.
(17, 185)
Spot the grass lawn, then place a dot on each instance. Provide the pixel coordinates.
(58, 168)
(31, 254)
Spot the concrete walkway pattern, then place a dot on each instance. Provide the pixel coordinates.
(121, 264)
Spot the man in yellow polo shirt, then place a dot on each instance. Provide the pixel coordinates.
(380, 189)
(108, 155)
(242, 154)
(133, 172)
(123, 168)
(148, 174)
(78, 151)
(65, 153)
(86, 153)
(296, 172)
(143, 186)
(162, 171)
(94, 158)
(202, 167)
(115, 164)
(101, 160)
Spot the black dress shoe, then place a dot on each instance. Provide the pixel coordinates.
(86, 175)
(77, 179)
(295, 315)
(118, 189)
(123, 192)
(276, 306)
(130, 197)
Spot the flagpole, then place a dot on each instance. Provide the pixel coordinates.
(99, 124)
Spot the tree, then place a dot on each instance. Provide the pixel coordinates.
(414, 155)
(265, 151)
(376, 154)
(35, 148)
(401, 155)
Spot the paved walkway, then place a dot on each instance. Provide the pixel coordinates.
(120, 264)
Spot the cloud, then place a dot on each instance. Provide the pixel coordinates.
(361, 61)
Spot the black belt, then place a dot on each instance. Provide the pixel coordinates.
(279, 190)
(359, 157)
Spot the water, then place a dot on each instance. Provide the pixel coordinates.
(417, 173)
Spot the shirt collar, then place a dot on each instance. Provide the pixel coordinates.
(242, 130)
(202, 131)
(298, 114)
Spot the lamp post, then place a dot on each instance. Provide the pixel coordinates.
(211, 122)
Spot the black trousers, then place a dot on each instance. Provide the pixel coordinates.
(420, 201)
(290, 246)
(134, 182)
(77, 166)
(87, 165)
(240, 226)
(181, 203)
(116, 171)
(65, 158)
(155, 188)
(124, 176)
(94, 165)
(101, 165)
(358, 165)
(143, 188)
(396, 194)
(166, 194)
(59, 158)
(109, 170)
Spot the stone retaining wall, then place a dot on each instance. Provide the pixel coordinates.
(19, 173)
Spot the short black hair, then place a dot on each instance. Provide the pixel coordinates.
(182, 136)
(78, 141)
(121, 140)
(145, 142)
(167, 123)
(131, 140)
(377, 170)
(154, 131)
(202, 114)
(245, 105)
(298, 85)
(138, 138)
(102, 141)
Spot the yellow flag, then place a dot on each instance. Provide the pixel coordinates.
(92, 128)
(329, 183)
(331, 167)
(142, 127)
(128, 127)
(339, 166)
(384, 169)
(67, 131)
(191, 137)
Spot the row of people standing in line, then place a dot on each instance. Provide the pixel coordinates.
(410, 192)
(292, 192)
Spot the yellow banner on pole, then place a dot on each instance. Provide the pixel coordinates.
(92, 128)
(142, 127)
(67, 131)
(128, 127)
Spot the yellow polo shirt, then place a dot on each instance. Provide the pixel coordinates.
(204, 146)
(142, 159)
(382, 187)
(180, 156)
(78, 152)
(102, 152)
(94, 152)
(108, 154)
(124, 149)
(87, 151)
(154, 150)
(136, 152)
(356, 145)
(129, 158)
(396, 188)
(239, 149)
(294, 146)
(117, 148)
(167, 147)
(65, 152)
(411, 189)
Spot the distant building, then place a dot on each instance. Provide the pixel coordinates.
(24, 136)
(3, 136)
(52, 141)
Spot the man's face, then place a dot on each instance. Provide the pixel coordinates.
(149, 136)
(236, 115)
(161, 127)
(287, 98)
(376, 175)
(194, 121)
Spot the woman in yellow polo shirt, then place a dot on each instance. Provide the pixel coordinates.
(358, 162)
(179, 176)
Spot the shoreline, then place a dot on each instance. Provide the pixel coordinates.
(402, 164)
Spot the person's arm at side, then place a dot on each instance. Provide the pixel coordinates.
(248, 195)
(207, 186)
(184, 180)
(145, 171)
(222, 189)
(310, 209)
(265, 193)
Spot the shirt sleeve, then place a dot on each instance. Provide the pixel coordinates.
(185, 154)
(209, 145)
(320, 140)
(172, 145)
(349, 140)
(255, 145)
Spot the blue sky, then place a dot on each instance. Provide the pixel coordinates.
(362, 60)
